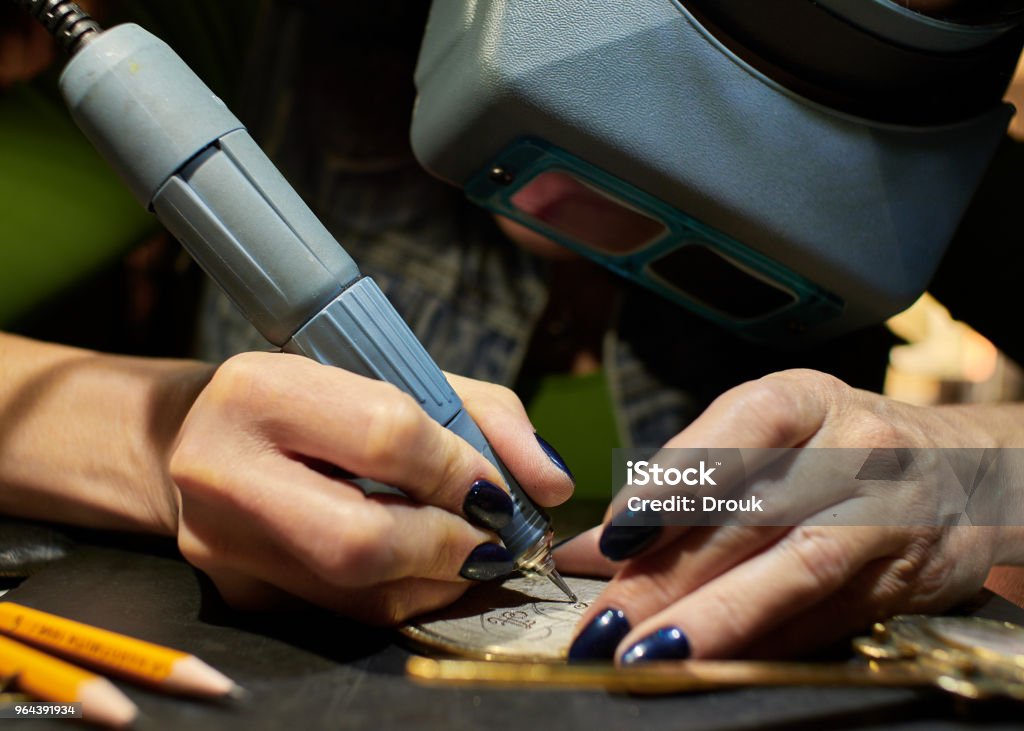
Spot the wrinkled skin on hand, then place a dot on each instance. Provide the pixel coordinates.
(783, 590)
(263, 515)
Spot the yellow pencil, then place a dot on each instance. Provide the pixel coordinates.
(160, 667)
(50, 679)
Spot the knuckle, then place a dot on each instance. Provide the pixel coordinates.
(769, 394)
(182, 464)
(454, 474)
(780, 404)
(924, 568)
(505, 399)
(820, 553)
(473, 392)
(902, 573)
(809, 378)
(239, 379)
(779, 509)
(870, 429)
(394, 425)
(187, 473)
(246, 389)
(448, 552)
(198, 476)
(190, 455)
(635, 588)
(192, 550)
(199, 552)
(734, 609)
(770, 404)
(362, 556)
(394, 607)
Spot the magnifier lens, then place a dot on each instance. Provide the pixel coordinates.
(588, 216)
(617, 232)
(713, 280)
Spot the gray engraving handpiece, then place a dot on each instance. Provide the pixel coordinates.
(187, 158)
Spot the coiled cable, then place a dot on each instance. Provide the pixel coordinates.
(65, 20)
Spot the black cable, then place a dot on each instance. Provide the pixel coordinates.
(68, 23)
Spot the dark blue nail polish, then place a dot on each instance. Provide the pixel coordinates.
(668, 643)
(488, 506)
(555, 457)
(600, 638)
(487, 561)
(619, 542)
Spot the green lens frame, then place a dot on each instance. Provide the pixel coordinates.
(494, 187)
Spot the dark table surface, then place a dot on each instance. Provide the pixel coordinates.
(312, 670)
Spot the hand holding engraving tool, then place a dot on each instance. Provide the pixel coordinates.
(189, 160)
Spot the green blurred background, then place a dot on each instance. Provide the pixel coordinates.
(80, 260)
(63, 215)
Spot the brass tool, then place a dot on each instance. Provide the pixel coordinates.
(967, 656)
(661, 677)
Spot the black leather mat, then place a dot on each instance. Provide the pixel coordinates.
(312, 670)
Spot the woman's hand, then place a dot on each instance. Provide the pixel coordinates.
(262, 508)
(256, 448)
(721, 591)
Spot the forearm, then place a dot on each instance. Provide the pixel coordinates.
(85, 437)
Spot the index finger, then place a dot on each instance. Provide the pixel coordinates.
(364, 426)
(784, 409)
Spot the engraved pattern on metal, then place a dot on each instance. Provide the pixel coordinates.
(525, 618)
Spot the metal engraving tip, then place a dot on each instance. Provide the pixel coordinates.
(558, 581)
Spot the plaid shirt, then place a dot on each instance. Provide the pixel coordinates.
(330, 102)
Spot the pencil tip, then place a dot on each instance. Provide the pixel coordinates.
(238, 694)
(103, 703)
(192, 676)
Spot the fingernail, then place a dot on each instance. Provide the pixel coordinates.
(600, 638)
(668, 643)
(555, 457)
(487, 561)
(488, 506)
(619, 542)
